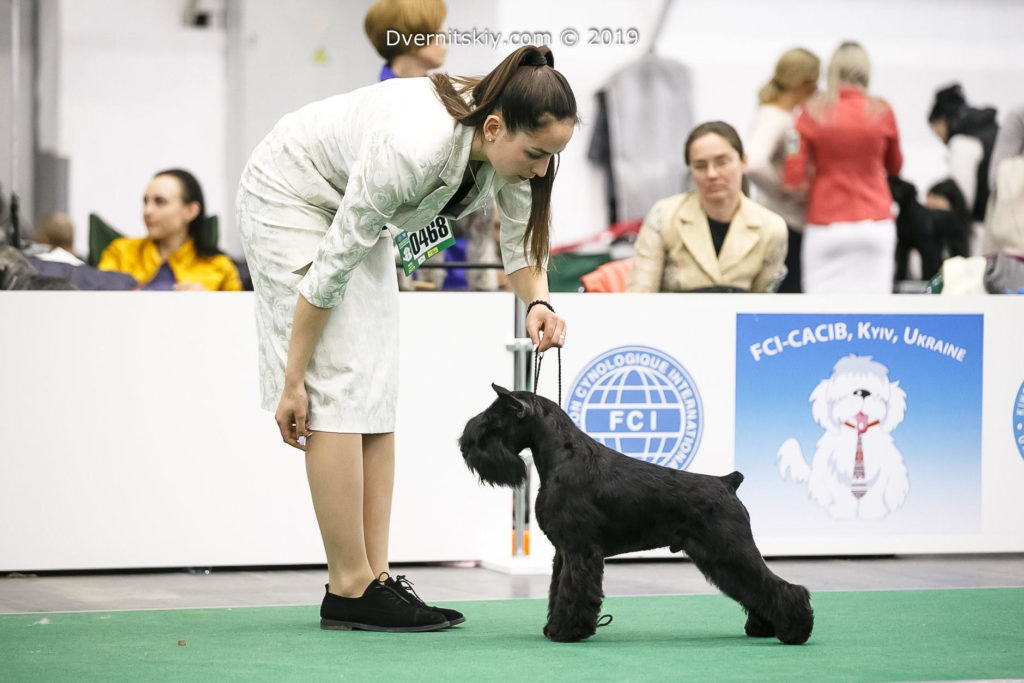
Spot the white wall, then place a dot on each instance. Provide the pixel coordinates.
(153, 451)
(16, 106)
(140, 91)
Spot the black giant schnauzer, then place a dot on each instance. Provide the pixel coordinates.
(595, 502)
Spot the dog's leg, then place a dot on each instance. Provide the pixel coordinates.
(930, 250)
(556, 578)
(572, 612)
(774, 607)
(902, 259)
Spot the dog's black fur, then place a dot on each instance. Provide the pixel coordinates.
(933, 233)
(595, 502)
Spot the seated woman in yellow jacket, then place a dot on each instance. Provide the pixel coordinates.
(177, 253)
(715, 237)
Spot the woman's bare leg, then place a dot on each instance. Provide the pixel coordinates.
(378, 485)
(334, 467)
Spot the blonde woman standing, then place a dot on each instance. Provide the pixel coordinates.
(848, 144)
(794, 81)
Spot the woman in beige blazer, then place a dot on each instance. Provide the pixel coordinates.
(714, 237)
(313, 205)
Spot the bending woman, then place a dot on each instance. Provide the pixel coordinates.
(312, 207)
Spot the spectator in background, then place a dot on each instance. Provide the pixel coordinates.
(794, 81)
(848, 143)
(1009, 143)
(1000, 268)
(55, 231)
(1004, 218)
(969, 135)
(480, 234)
(713, 238)
(178, 253)
(393, 27)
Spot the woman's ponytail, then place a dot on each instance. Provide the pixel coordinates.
(528, 93)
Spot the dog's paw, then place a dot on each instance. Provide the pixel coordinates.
(757, 627)
(566, 634)
(797, 621)
(796, 634)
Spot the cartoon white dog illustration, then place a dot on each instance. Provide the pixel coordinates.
(857, 471)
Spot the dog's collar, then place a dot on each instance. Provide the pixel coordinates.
(866, 428)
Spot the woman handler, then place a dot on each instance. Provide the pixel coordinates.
(312, 207)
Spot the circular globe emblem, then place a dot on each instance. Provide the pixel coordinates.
(1018, 420)
(639, 401)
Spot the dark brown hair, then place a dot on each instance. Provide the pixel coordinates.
(191, 191)
(529, 94)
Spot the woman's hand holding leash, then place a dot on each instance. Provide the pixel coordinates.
(545, 327)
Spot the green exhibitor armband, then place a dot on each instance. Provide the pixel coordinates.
(417, 246)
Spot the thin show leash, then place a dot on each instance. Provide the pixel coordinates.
(538, 357)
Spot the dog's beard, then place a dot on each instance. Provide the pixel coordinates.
(490, 458)
(496, 465)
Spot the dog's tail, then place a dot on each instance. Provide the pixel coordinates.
(733, 480)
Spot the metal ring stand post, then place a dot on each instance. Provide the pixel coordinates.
(522, 352)
(521, 347)
(521, 561)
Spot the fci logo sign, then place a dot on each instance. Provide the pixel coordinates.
(640, 401)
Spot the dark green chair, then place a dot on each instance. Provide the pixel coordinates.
(565, 270)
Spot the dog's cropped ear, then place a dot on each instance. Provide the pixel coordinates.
(511, 400)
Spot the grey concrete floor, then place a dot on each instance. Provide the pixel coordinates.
(447, 583)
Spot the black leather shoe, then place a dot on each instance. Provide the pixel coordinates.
(380, 608)
(404, 586)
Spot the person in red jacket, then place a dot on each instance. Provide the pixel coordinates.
(848, 143)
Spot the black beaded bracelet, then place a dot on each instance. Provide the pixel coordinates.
(542, 303)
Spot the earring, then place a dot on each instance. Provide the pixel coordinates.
(490, 139)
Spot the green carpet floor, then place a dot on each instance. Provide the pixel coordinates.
(864, 636)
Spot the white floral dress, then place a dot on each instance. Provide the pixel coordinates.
(312, 207)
